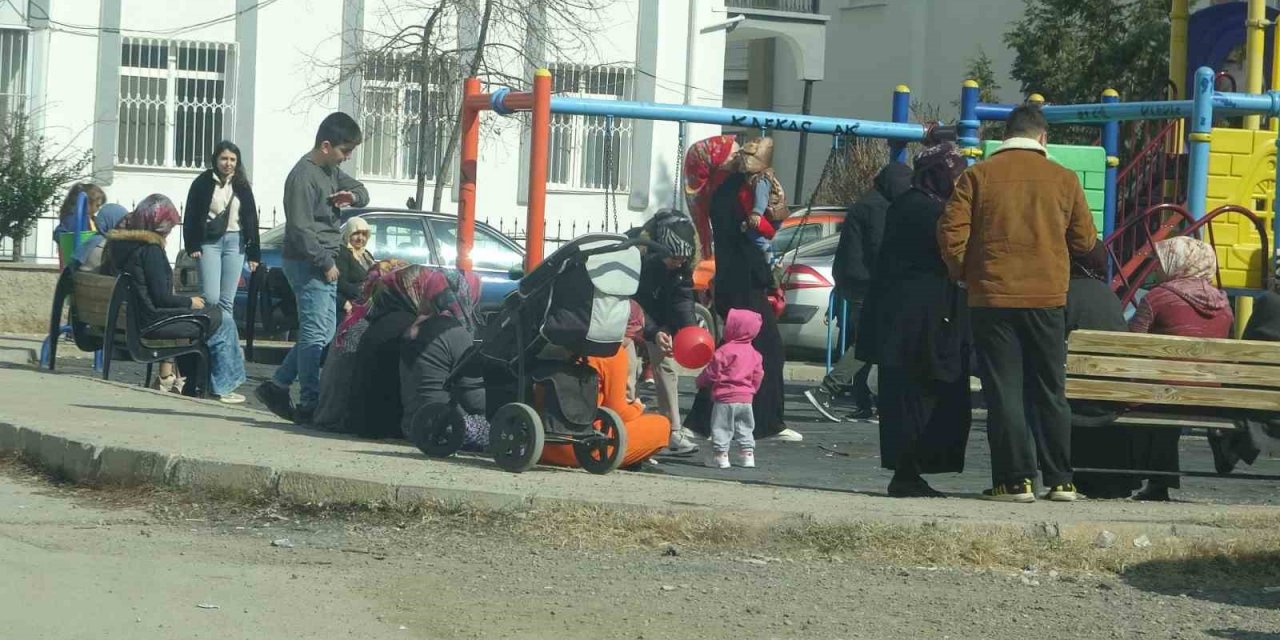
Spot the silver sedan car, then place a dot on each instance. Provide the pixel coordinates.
(807, 286)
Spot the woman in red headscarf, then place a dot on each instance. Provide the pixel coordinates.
(706, 165)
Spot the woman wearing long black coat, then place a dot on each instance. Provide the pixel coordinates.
(916, 324)
(742, 281)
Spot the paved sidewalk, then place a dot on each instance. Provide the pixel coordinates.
(97, 431)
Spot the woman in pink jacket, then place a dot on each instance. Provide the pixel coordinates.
(734, 375)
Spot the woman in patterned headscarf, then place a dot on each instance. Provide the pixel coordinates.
(706, 165)
(1185, 303)
(921, 323)
(360, 384)
(136, 246)
(444, 331)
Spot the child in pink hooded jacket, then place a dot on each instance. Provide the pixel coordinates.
(734, 376)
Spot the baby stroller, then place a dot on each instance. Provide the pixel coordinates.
(539, 388)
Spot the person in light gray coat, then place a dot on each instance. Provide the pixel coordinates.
(314, 194)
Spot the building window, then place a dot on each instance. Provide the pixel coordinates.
(177, 100)
(589, 152)
(13, 74)
(390, 109)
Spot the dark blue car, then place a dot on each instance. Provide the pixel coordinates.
(412, 236)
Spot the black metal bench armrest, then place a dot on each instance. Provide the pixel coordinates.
(201, 322)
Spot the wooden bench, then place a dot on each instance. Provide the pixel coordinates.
(99, 310)
(1214, 380)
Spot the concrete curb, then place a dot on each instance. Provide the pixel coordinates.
(93, 464)
(20, 356)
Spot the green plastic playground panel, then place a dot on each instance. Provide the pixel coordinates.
(1090, 165)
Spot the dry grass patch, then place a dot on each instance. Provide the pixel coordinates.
(1239, 548)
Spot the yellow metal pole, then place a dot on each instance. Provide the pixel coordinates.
(1275, 71)
(1178, 17)
(1255, 50)
(1244, 310)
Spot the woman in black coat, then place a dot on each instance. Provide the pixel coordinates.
(137, 247)
(1095, 441)
(920, 323)
(220, 225)
(220, 230)
(742, 281)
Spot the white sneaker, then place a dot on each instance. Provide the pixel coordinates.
(716, 460)
(231, 398)
(787, 435)
(745, 458)
(680, 445)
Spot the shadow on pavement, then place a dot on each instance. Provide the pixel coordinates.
(246, 420)
(1251, 580)
(1240, 634)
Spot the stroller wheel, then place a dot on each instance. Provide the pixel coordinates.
(516, 437)
(438, 436)
(603, 453)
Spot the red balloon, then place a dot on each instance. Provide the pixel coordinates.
(693, 347)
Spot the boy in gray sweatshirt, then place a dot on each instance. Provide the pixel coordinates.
(314, 192)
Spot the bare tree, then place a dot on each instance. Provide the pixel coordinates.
(852, 170)
(509, 38)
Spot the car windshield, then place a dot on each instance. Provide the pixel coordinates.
(401, 236)
(798, 235)
(272, 237)
(822, 248)
(489, 252)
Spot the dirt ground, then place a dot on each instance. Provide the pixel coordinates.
(115, 563)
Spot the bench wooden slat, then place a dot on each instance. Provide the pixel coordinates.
(1145, 345)
(91, 297)
(1159, 371)
(1149, 393)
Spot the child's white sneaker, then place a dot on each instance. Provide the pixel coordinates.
(717, 460)
(746, 458)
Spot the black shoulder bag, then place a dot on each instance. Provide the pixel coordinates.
(216, 227)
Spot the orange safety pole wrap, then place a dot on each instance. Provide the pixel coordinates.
(519, 101)
(538, 148)
(469, 157)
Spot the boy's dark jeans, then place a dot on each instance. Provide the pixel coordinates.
(1022, 355)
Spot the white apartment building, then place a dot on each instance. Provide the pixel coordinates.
(149, 86)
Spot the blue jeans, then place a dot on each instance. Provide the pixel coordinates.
(764, 244)
(221, 263)
(317, 320)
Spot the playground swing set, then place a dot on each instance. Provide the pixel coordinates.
(1232, 169)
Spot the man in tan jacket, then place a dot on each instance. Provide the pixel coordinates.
(1007, 235)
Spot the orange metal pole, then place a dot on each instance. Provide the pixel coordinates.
(469, 157)
(538, 148)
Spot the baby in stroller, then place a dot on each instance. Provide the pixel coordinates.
(539, 387)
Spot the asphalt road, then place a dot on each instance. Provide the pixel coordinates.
(845, 457)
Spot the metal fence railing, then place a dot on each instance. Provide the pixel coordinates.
(177, 99)
(13, 74)
(391, 110)
(794, 6)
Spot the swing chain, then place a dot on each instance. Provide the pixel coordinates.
(610, 187)
(677, 200)
(832, 159)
